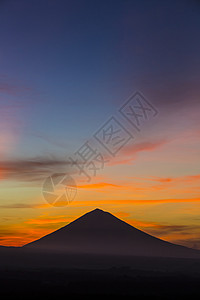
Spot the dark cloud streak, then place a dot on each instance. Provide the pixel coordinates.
(33, 170)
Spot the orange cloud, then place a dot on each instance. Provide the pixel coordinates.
(122, 214)
(97, 185)
(96, 203)
(142, 224)
(167, 179)
(133, 202)
(45, 221)
(191, 178)
(50, 220)
(129, 152)
(186, 178)
(21, 235)
(144, 146)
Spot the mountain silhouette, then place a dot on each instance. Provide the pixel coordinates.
(99, 232)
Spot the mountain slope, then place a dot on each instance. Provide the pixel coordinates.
(99, 232)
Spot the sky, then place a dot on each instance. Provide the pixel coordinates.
(66, 69)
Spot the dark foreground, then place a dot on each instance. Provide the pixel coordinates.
(53, 276)
(92, 283)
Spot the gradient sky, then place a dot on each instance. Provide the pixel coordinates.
(66, 67)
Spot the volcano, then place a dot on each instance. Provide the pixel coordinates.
(100, 232)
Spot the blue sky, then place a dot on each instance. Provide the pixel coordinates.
(80, 59)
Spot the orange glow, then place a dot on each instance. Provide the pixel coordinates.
(98, 185)
(47, 221)
(137, 202)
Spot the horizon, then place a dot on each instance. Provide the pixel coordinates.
(72, 71)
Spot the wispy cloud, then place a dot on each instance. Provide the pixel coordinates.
(33, 169)
(133, 202)
(17, 205)
(20, 235)
(98, 185)
(51, 140)
(129, 153)
(44, 220)
(185, 178)
(12, 87)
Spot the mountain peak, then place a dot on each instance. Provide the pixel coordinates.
(97, 210)
(96, 217)
(95, 213)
